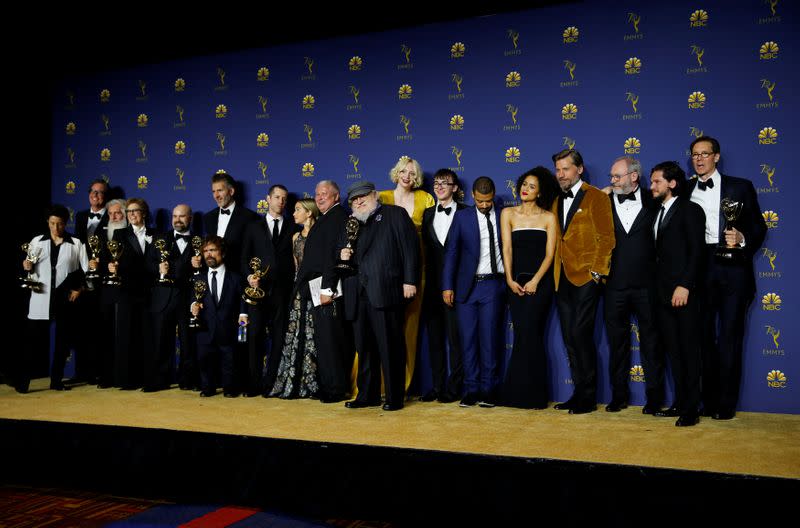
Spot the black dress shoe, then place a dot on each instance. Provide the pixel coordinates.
(22, 390)
(104, 385)
(230, 394)
(331, 399)
(564, 406)
(360, 404)
(59, 387)
(651, 408)
(447, 398)
(392, 406)
(582, 408)
(251, 394)
(429, 396)
(688, 419)
(672, 412)
(470, 400)
(724, 414)
(616, 405)
(207, 393)
(708, 412)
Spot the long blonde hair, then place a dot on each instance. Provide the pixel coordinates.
(401, 164)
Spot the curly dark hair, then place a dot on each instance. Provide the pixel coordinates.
(548, 185)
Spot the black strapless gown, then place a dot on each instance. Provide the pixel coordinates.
(525, 383)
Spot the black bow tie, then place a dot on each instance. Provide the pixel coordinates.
(96, 215)
(703, 185)
(567, 194)
(445, 210)
(630, 196)
(225, 211)
(182, 237)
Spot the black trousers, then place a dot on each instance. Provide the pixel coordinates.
(332, 344)
(273, 320)
(38, 344)
(619, 306)
(724, 312)
(89, 345)
(577, 309)
(442, 324)
(380, 342)
(160, 359)
(679, 328)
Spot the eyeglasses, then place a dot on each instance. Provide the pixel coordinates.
(442, 184)
(703, 155)
(619, 176)
(129, 211)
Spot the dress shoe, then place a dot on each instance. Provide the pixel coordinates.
(331, 399)
(688, 419)
(59, 387)
(153, 388)
(672, 412)
(429, 396)
(724, 414)
(486, 403)
(470, 400)
(185, 386)
(360, 404)
(616, 405)
(392, 406)
(251, 394)
(564, 406)
(708, 412)
(583, 408)
(104, 385)
(22, 390)
(447, 397)
(207, 393)
(651, 408)
(230, 394)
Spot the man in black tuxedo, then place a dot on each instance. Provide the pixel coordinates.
(630, 287)
(221, 312)
(332, 336)
(271, 241)
(680, 261)
(92, 221)
(387, 258)
(229, 220)
(441, 319)
(729, 285)
(133, 338)
(169, 298)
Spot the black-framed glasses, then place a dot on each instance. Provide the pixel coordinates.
(703, 155)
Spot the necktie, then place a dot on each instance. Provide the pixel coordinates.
(630, 196)
(275, 233)
(95, 215)
(445, 210)
(658, 225)
(492, 253)
(225, 211)
(567, 194)
(703, 185)
(214, 286)
(182, 237)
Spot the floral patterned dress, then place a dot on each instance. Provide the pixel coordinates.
(297, 372)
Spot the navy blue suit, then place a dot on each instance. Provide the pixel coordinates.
(480, 305)
(216, 339)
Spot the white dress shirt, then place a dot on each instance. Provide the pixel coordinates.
(568, 201)
(224, 220)
(666, 205)
(220, 279)
(485, 261)
(141, 234)
(271, 222)
(182, 243)
(628, 210)
(709, 200)
(91, 225)
(442, 221)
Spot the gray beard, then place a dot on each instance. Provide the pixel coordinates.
(113, 226)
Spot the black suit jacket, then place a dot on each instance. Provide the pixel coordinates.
(634, 254)
(221, 318)
(136, 275)
(387, 256)
(320, 253)
(241, 217)
(258, 243)
(680, 249)
(434, 251)
(81, 221)
(750, 222)
(180, 271)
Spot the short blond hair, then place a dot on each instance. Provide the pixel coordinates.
(401, 164)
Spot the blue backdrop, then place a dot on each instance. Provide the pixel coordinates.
(489, 96)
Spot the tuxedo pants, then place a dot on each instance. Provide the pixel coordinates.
(680, 332)
(330, 338)
(442, 323)
(577, 310)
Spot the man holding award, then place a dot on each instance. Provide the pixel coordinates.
(735, 230)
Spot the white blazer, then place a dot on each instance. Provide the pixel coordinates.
(71, 256)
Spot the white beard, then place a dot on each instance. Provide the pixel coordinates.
(113, 226)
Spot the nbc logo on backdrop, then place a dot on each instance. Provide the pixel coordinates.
(698, 19)
(457, 50)
(768, 50)
(355, 63)
(633, 66)
(570, 35)
(771, 302)
(457, 122)
(637, 374)
(767, 136)
(632, 146)
(771, 218)
(569, 112)
(776, 379)
(697, 100)
(512, 155)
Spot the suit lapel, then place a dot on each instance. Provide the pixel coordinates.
(576, 205)
(617, 222)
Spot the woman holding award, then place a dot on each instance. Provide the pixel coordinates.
(59, 268)
(407, 176)
(297, 372)
(529, 232)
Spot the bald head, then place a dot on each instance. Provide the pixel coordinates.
(181, 218)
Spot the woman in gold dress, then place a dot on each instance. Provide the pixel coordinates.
(407, 176)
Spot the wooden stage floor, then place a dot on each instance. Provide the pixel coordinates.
(755, 444)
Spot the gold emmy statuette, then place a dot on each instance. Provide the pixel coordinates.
(255, 295)
(116, 249)
(30, 280)
(197, 244)
(351, 229)
(200, 288)
(731, 210)
(92, 276)
(161, 245)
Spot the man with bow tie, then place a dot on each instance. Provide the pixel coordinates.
(441, 319)
(169, 298)
(229, 219)
(629, 289)
(583, 258)
(729, 284)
